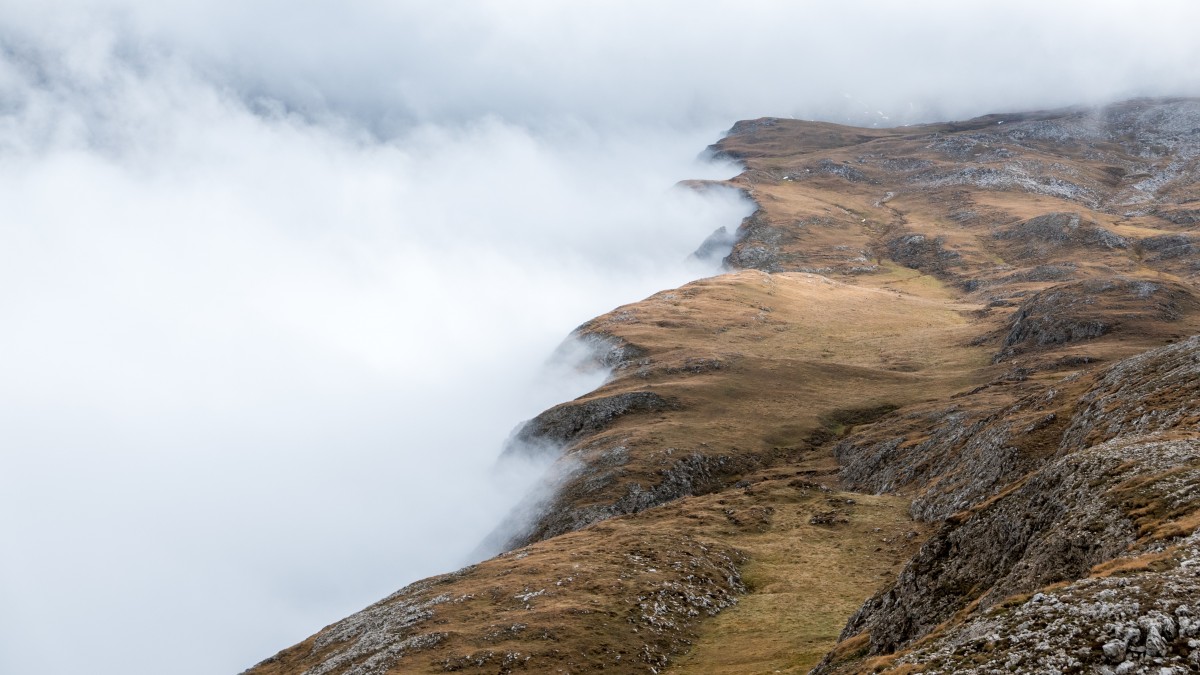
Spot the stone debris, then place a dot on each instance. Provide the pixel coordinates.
(1142, 623)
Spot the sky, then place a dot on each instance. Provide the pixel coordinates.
(278, 279)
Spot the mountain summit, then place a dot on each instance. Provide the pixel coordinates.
(941, 415)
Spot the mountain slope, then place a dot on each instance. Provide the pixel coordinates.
(950, 367)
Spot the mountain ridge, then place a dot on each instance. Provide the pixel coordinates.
(904, 407)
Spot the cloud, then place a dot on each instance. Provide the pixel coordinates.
(533, 62)
(277, 279)
(257, 368)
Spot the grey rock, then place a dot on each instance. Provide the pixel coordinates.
(716, 246)
(606, 350)
(955, 443)
(1155, 644)
(1054, 526)
(757, 245)
(928, 254)
(1180, 216)
(1170, 246)
(1083, 310)
(1048, 233)
(555, 428)
(841, 170)
(694, 473)
(1117, 406)
(1105, 611)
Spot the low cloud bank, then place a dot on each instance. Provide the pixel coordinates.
(391, 65)
(257, 368)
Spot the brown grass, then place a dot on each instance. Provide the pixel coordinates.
(1142, 563)
(807, 580)
(803, 580)
(802, 356)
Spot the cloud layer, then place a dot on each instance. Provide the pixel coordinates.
(276, 280)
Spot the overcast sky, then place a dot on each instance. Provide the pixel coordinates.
(278, 278)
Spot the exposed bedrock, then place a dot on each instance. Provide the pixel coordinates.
(1053, 526)
(1156, 391)
(565, 423)
(1039, 237)
(579, 491)
(1083, 310)
(925, 253)
(1105, 624)
(1123, 475)
(952, 457)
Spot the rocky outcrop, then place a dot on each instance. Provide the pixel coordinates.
(1084, 310)
(841, 170)
(581, 505)
(758, 245)
(1146, 620)
(716, 246)
(1182, 216)
(952, 458)
(604, 349)
(580, 496)
(1050, 234)
(1121, 476)
(1169, 246)
(1156, 391)
(554, 429)
(1053, 526)
(920, 252)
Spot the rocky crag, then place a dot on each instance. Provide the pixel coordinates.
(941, 415)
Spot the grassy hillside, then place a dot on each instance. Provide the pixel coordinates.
(948, 375)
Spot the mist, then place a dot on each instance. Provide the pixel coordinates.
(278, 280)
